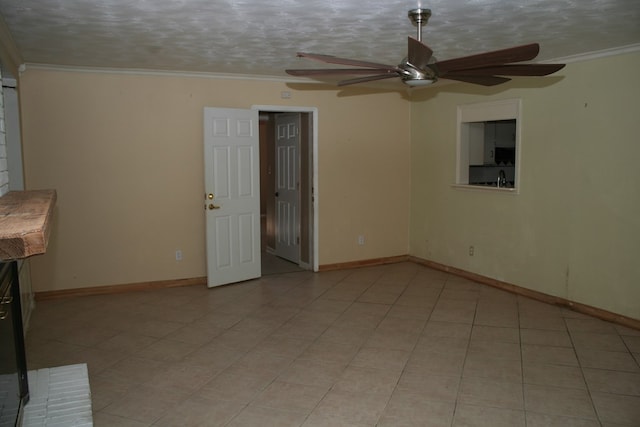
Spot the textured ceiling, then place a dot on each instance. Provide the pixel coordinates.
(256, 37)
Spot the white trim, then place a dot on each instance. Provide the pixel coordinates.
(596, 54)
(586, 56)
(502, 109)
(168, 73)
(484, 188)
(316, 204)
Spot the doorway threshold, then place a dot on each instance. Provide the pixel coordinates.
(272, 264)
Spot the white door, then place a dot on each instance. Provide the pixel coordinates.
(288, 186)
(232, 195)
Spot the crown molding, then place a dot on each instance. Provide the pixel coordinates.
(587, 56)
(597, 54)
(161, 73)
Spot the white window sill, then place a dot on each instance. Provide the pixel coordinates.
(485, 188)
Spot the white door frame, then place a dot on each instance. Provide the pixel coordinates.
(316, 203)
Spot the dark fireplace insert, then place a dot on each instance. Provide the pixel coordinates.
(14, 386)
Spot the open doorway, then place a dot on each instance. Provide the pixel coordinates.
(287, 205)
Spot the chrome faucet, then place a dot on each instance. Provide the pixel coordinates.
(502, 179)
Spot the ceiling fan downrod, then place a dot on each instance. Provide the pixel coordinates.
(419, 17)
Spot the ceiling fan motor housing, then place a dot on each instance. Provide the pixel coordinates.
(410, 73)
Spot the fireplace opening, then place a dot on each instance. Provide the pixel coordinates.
(14, 387)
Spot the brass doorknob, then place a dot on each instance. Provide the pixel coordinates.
(210, 196)
(212, 206)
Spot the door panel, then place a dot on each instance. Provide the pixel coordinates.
(246, 239)
(232, 195)
(223, 241)
(221, 184)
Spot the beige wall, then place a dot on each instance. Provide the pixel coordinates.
(574, 229)
(124, 152)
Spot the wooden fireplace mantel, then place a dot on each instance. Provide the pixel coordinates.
(25, 223)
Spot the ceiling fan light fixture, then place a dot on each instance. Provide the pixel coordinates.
(418, 82)
(414, 76)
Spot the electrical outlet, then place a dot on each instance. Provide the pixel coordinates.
(361, 240)
(178, 255)
(471, 250)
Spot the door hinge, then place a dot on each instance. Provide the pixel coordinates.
(297, 240)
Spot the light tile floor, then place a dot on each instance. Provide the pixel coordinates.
(395, 345)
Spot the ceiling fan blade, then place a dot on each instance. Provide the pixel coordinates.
(497, 57)
(337, 71)
(510, 70)
(366, 79)
(418, 53)
(478, 80)
(344, 61)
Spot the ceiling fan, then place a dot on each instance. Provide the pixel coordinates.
(419, 68)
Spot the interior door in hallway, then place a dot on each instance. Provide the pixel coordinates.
(232, 195)
(288, 186)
